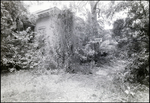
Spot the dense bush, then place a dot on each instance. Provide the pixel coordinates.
(138, 70)
(17, 48)
(132, 35)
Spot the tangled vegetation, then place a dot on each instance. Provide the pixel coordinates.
(132, 35)
(81, 42)
(16, 36)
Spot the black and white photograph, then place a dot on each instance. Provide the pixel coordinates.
(74, 51)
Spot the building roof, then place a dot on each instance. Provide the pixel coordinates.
(48, 12)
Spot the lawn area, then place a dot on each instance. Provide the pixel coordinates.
(54, 86)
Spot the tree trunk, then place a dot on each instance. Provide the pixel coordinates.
(94, 17)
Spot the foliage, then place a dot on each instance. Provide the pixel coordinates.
(132, 35)
(67, 37)
(77, 40)
(45, 53)
(16, 47)
(118, 25)
(10, 11)
(85, 33)
(56, 53)
(138, 70)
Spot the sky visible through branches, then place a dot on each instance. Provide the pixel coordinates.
(35, 6)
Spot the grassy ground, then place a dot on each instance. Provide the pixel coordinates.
(49, 86)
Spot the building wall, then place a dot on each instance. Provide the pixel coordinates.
(57, 39)
(42, 25)
(47, 27)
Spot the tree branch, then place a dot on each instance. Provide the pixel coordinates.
(143, 8)
(98, 12)
(96, 5)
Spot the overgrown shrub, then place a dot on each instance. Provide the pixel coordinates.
(138, 70)
(16, 45)
(132, 35)
(18, 50)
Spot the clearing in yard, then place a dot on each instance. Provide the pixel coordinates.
(51, 86)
